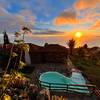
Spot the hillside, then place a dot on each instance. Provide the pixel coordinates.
(85, 59)
(88, 61)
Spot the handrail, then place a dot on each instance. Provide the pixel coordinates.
(68, 87)
(97, 92)
(63, 88)
(87, 85)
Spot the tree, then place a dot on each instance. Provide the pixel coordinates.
(46, 44)
(85, 46)
(26, 30)
(81, 51)
(71, 45)
(6, 39)
(9, 60)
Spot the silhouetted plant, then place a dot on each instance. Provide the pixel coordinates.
(26, 30)
(11, 52)
(85, 46)
(81, 51)
(46, 44)
(6, 39)
(71, 44)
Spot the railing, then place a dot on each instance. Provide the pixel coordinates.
(68, 87)
(97, 92)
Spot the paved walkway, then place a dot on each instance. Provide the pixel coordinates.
(71, 66)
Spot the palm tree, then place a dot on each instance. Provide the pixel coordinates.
(26, 30)
(19, 43)
(71, 45)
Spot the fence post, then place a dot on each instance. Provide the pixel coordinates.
(50, 91)
(40, 83)
(49, 86)
(66, 87)
(93, 90)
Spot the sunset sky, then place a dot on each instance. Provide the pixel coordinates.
(53, 21)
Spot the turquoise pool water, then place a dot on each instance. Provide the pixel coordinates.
(57, 78)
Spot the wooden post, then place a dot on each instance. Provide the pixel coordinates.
(50, 91)
(49, 86)
(40, 83)
(93, 90)
(66, 87)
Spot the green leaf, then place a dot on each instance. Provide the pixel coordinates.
(17, 34)
(14, 54)
(21, 64)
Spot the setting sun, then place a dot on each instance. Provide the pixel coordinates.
(78, 34)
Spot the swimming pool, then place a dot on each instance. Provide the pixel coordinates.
(57, 80)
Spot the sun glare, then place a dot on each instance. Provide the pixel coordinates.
(78, 34)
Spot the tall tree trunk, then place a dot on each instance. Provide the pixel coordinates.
(20, 58)
(24, 36)
(9, 59)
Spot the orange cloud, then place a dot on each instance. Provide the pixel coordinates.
(66, 17)
(64, 21)
(97, 25)
(84, 4)
(89, 17)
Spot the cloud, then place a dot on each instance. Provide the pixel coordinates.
(89, 16)
(96, 25)
(38, 31)
(67, 17)
(85, 4)
(88, 11)
(27, 16)
(13, 22)
(81, 12)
